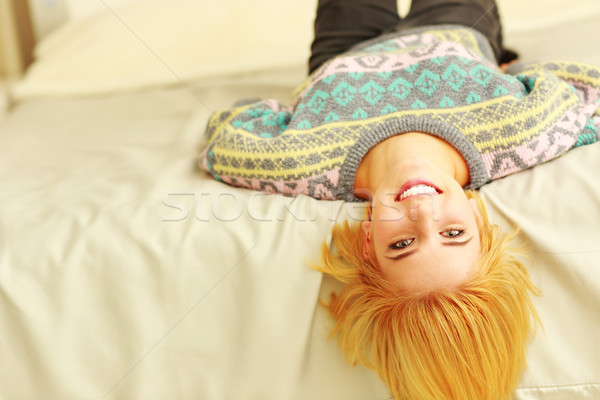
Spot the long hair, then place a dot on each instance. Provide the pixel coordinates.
(465, 343)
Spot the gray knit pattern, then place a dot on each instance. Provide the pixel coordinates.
(440, 80)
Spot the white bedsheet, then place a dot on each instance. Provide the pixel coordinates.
(125, 273)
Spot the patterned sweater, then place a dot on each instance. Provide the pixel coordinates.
(438, 80)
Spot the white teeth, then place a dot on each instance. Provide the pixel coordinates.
(416, 190)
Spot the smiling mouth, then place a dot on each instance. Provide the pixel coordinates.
(417, 188)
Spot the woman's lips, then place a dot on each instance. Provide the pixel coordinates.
(417, 187)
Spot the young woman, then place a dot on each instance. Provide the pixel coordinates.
(410, 114)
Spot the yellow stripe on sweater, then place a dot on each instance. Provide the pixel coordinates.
(446, 115)
(228, 152)
(276, 174)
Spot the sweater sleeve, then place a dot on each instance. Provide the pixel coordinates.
(236, 132)
(584, 81)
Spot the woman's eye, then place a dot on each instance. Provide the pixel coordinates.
(453, 233)
(402, 244)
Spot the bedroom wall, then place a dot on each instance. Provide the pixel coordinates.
(47, 15)
(83, 8)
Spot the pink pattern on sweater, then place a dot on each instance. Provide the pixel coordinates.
(291, 188)
(547, 146)
(429, 48)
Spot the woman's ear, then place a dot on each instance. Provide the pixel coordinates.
(366, 228)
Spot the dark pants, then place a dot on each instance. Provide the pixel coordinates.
(341, 24)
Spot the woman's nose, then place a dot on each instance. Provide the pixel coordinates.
(423, 209)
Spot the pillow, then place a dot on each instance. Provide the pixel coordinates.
(158, 42)
(145, 43)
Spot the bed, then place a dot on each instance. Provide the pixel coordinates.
(127, 273)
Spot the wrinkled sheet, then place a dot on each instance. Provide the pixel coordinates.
(126, 273)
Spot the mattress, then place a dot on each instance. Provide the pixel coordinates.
(127, 273)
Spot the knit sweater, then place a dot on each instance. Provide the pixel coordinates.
(439, 80)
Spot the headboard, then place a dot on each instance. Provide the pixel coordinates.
(16, 38)
(24, 22)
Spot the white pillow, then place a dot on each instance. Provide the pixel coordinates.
(78, 9)
(158, 42)
(141, 43)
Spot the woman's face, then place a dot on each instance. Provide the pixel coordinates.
(423, 229)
